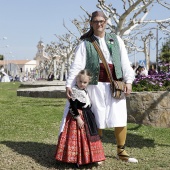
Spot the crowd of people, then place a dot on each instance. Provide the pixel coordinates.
(142, 71)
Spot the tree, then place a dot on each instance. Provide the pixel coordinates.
(1, 57)
(130, 24)
(64, 48)
(165, 56)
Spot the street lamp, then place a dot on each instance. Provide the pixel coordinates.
(157, 49)
(150, 36)
(7, 61)
(4, 38)
(135, 51)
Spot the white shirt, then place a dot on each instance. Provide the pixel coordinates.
(144, 72)
(80, 61)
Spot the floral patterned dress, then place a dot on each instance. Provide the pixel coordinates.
(75, 145)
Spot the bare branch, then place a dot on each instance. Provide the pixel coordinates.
(127, 12)
(69, 30)
(109, 10)
(89, 15)
(165, 4)
(156, 21)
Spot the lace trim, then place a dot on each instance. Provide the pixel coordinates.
(81, 96)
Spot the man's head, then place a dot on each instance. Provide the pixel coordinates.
(98, 23)
(98, 14)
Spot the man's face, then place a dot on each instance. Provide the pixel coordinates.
(99, 24)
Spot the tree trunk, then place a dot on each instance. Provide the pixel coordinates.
(62, 71)
(147, 57)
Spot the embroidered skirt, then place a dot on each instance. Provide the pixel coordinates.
(76, 145)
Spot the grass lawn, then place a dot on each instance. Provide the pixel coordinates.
(29, 129)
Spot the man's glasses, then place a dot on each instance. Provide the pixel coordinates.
(99, 22)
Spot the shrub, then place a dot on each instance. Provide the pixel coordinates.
(157, 82)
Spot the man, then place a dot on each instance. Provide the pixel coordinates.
(109, 112)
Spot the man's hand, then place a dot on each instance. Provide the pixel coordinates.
(68, 92)
(128, 89)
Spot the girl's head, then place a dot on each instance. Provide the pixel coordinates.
(83, 78)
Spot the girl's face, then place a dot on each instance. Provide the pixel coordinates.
(82, 81)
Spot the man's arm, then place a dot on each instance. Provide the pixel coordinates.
(77, 65)
(128, 73)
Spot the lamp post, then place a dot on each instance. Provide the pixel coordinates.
(7, 62)
(157, 49)
(4, 38)
(6, 65)
(150, 36)
(135, 52)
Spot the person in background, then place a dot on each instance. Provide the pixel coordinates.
(79, 141)
(152, 70)
(50, 77)
(134, 69)
(143, 71)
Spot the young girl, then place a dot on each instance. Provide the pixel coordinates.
(79, 141)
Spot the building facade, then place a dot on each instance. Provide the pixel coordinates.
(18, 67)
(38, 68)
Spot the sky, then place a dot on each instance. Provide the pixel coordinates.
(23, 23)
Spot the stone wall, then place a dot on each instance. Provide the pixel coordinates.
(149, 108)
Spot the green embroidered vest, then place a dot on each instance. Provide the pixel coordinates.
(92, 57)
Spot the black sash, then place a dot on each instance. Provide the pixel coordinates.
(90, 120)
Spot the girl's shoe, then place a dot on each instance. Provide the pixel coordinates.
(77, 165)
(99, 163)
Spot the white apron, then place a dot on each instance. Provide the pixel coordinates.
(109, 112)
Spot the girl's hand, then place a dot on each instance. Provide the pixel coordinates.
(79, 122)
